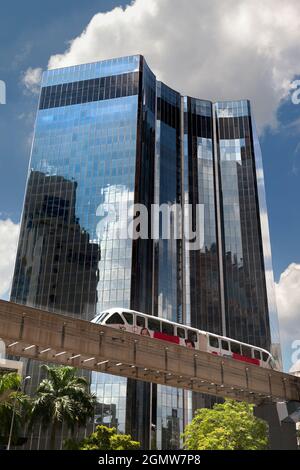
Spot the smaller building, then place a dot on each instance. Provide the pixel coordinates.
(7, 365)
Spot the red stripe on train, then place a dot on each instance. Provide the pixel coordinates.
(164, 337)
(251, 360)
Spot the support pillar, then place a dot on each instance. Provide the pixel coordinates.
(282, 425)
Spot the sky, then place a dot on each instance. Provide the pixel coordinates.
(203, 48)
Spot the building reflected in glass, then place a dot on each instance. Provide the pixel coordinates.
(108, 135)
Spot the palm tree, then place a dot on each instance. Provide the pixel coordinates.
(62, 397)
(11, 397)
(8, 382)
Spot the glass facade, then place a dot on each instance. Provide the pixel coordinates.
(203, 276)
(108, 135)
(83, 161)
(247, 315)
(168, 192)
(266, 245)
(167, 416)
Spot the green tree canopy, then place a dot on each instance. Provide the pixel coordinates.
(10, 397)
(105, 438)
(62, 397)
(227, 426)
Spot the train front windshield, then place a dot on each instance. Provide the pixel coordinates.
(100, 318)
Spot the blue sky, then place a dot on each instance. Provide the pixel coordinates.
(33, 31)
(30, 32)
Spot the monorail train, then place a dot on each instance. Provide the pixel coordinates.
(159, 328)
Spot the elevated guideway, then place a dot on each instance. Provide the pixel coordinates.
(50, 337)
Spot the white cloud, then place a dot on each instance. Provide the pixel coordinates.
(9, 233)
(32, 79)
(208, 49)
(288, 303)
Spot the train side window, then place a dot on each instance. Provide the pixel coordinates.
(224, 345)
(140, 321)
(235, 348)
(128, 317)
(265, 356)
(246, 351)
(214, 342)
(167, 328)
(115, 319)
(180, 332)
(256, 354)
(192, 336)
(153, 325)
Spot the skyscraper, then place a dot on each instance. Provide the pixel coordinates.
(109, 135)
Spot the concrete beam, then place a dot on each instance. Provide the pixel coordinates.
(60, 339)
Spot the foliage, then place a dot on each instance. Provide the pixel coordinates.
(227, 426)
(104, 438)
(8, 382)
(10, 397)
(62, 397)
